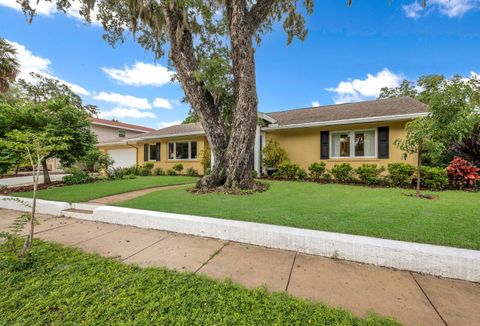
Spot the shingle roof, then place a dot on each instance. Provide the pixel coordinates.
(120, 124)
(359, 110)
(173, 130)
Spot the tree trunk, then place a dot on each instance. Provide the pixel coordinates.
(419, 165)
(46, 175)
(29, 240)
(242, 139)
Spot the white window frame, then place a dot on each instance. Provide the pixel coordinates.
(175, 150)
(351, 133)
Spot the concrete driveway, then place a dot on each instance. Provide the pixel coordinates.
(27, 180)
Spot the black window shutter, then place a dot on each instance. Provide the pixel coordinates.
(383, 142)
(145, 152)
(157, 150)
(324, 145)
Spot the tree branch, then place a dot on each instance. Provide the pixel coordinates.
(259, 12)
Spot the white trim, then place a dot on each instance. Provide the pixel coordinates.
(399, 117)
(257, 151)
(117, 127)
(189, 142)
(266, 117)
(112, 143)
(352, 143)
(192, 133)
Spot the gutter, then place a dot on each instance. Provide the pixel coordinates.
(399, 117)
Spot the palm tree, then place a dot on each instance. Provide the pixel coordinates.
(9, 66)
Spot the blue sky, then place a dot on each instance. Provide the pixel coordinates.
(349, 54)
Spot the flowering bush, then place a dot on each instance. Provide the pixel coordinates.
(462, 173)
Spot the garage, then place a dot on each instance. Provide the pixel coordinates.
(124, 157)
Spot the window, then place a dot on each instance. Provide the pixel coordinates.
(186, 150)
(153, 152)
(121, 133)
(359, 143)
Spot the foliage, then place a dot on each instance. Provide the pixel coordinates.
(289, 171)
(145, 169)
(191, 172)
(369, 173)
(171, 172)
(274, 154)
(178, 168)
(77, 177)
(327, 177)
(9, 65)
(453, 107)
(462, 173)
(12, 236)
(400, 173)
(434, 178)
(34, 146)
(158, 171)
(120, 293)
(343, 172)
(117, 173)
(452, 219)
(468, 147)
(86, 192)
(317, 170)
(254, 174)
(205, 158)
(96, 160)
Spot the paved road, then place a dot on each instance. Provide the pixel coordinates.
(412, 298)
(27, 180)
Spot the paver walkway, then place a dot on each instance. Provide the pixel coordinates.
(412, 298)
(133, 194)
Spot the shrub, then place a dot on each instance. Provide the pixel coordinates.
(433, 178)
(205, 158)
(96, 160)
(208, 171)
(158, 171)
(254, 174)
(342, 172)
(301, 174)
(178, 168)
(369, 173)
(289, 171)
(77, 177)
(327, 177)
(119, 173)
(171, 172)
(145, 169)
(191, 172)
(316, 170)
(462, 173)
(400, 173)
(469, 147)
(274, 155)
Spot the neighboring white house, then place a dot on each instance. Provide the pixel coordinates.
(111, 131)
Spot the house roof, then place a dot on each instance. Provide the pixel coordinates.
(176, 130)
(400, 106)
(122, 125)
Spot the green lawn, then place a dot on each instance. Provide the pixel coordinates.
(63, 286)
(453, 219)
(89, 191)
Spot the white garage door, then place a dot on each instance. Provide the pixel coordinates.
(125, 157)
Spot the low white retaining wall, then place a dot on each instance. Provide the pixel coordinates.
(450, 262)
(43, 206)
(435, 260)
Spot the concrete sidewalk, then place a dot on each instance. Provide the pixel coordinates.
(412, 298)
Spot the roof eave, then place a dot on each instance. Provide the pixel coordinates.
(192, 133)
(400, 117)
(119, 127)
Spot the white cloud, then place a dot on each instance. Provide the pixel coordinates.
(162, 103)
(33, 63)
(166, 124)
(141, 74)
(449, 8)
(124, 100)
(361, 89)
(47, 8)
(126, 113)
(315, 103)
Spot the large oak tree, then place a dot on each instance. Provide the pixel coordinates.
(211, 45)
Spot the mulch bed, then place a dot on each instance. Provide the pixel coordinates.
(8, 191)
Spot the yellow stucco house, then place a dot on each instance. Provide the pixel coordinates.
(356, 133)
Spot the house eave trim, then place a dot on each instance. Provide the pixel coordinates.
(399, 117)
(117, 127)
(193, 133)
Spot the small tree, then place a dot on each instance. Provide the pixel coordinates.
(417, 141)
(33, 147)
(274, 155)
